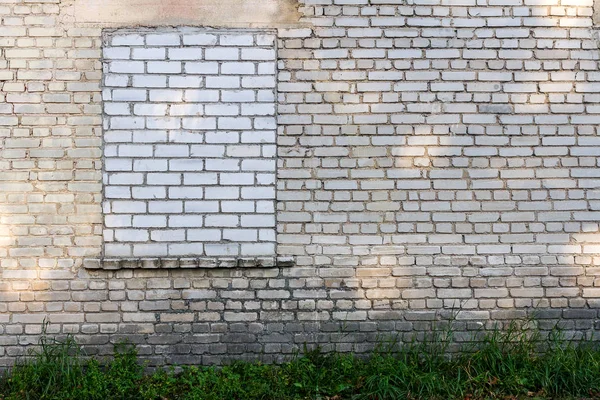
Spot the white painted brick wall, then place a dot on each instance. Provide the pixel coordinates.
(446, 146)
(190, 143)
(432, 154)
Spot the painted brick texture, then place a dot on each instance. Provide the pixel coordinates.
(434, 159)
(190, 143)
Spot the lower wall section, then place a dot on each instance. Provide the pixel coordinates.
(210, 316)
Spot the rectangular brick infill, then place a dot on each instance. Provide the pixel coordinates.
(183, 263)
(190, 143)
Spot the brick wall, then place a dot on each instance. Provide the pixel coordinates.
(190, 143)
(434, 159)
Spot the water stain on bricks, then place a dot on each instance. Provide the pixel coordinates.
(217, 13)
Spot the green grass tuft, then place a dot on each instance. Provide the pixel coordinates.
(516, 363)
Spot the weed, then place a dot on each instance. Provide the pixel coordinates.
(514, 363)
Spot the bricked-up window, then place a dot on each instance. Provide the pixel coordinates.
(189, 143)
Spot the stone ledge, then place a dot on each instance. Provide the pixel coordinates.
(187, 263)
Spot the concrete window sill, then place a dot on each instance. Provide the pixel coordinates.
(187, 263)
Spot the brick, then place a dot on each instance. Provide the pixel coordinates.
(185, 178)
(403, 171)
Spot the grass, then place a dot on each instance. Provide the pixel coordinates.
(512, 364)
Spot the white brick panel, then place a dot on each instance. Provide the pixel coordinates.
(186, 104)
